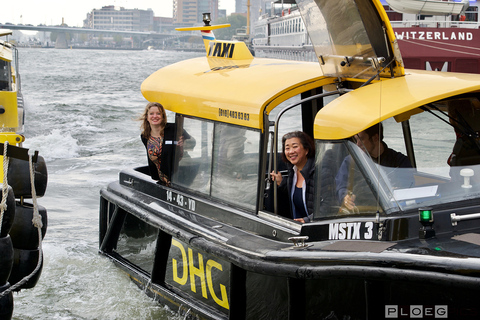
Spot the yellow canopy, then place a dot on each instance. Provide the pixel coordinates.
(362, 108)
(231, 90)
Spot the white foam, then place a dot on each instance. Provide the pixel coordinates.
(56, 145)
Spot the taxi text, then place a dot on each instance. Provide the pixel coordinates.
(221, 49)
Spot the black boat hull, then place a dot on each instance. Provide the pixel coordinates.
(208, 269)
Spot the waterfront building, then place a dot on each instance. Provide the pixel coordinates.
(189, 12)
(163, 24)
(119, 18)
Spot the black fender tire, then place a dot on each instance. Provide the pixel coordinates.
(6, 303)
(21, 183)
(24, 234)
(9, 213)
(6, 259)
(24, 262)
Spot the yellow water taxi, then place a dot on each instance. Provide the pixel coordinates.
(219, 242)
(23, 224)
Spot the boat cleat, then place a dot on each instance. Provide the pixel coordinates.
(299, 242)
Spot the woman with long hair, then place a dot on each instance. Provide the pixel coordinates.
(154, 126)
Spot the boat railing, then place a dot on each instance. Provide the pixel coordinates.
(435, 24)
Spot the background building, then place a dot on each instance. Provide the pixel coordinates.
(163, 24)
(189, 12)
(255, 5)
(241, 6)
(119, 18)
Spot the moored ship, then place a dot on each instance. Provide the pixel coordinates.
(439, 38)
(219, 242)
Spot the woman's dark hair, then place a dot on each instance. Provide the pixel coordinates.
(305, 140)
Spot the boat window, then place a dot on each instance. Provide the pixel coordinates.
(5, 76)
(443, 164)
(447, 157)
(220, 161)
(137, 242)
(341, 169)
(235, 165)
(193, 168)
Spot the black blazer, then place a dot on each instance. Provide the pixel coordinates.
(168, 152)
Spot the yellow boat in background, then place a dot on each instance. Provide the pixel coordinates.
(219, 242)
(22, 224)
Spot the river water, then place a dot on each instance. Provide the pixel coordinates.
(81, 108)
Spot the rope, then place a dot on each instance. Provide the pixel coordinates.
(37, 222)
(3, 204)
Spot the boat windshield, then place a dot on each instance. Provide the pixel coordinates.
(337, 31)
(443, 166)
(341, 170)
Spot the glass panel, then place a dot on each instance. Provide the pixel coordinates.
(448, 158)
(193, 167)
(137, 242)
(337, 31)
(339, 174)
(235, 166)
(446, 146)
(5, 75)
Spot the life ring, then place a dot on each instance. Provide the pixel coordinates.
(24, 262)
(6, 303)
(6, 259)
(8, 214)
(24, 234)
(21, 184)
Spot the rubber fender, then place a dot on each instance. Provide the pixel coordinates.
(24, 262)
(24, 234)
(19, 177)
(6, 259)
(9, 213)
(6, 303)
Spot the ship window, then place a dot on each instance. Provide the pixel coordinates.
(472, 14)
(193, 167)
(235, 165)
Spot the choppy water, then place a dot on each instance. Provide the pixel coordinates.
(81, 107)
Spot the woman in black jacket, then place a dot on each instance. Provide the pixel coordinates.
(158, 136)
(299, 154)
